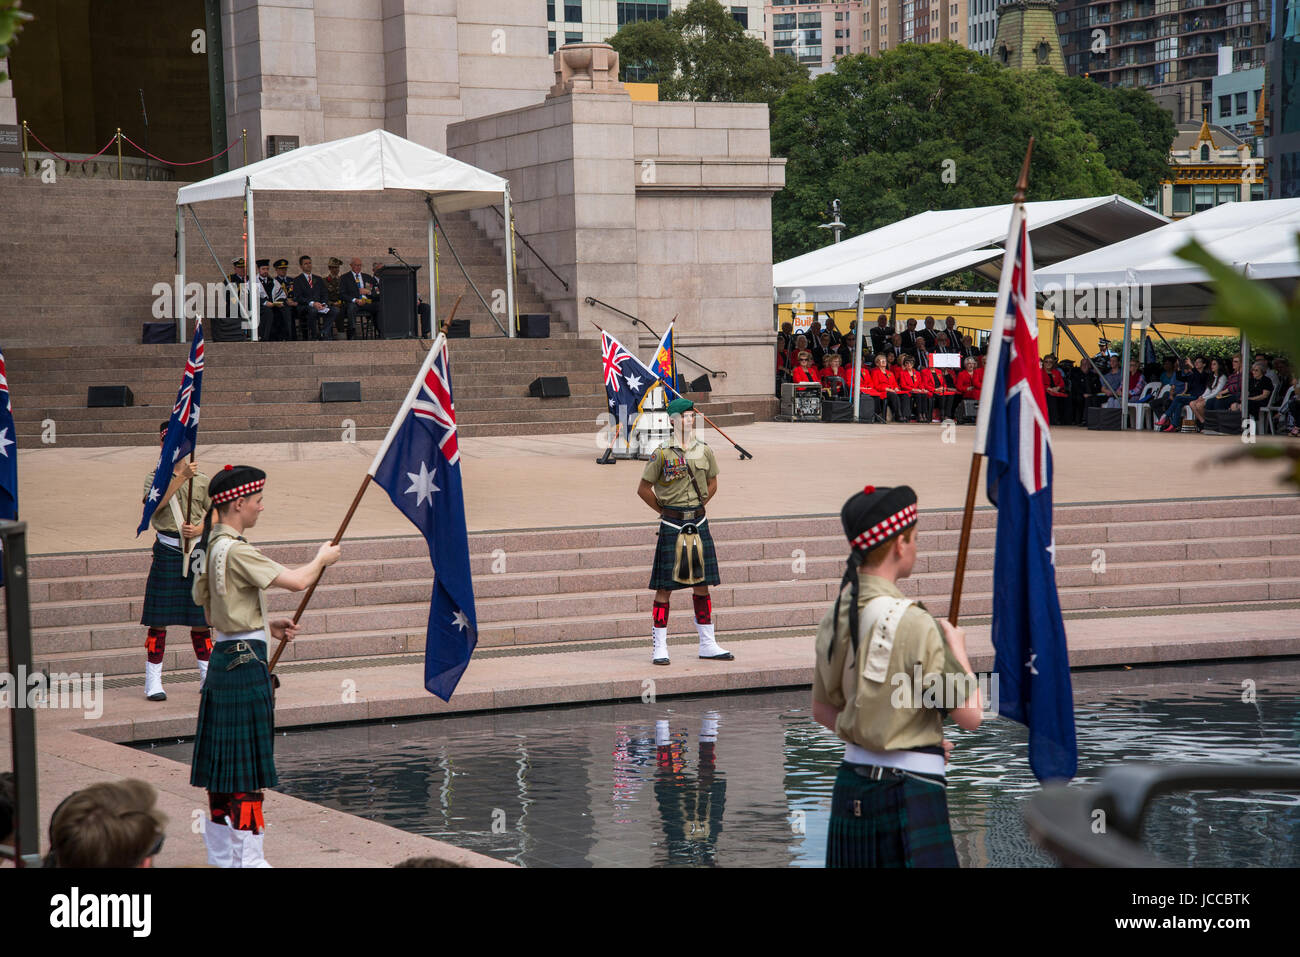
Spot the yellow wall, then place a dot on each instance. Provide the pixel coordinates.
(981, 317)
(643, 92)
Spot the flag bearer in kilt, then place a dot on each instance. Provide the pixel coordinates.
(679, 479)
(234, 746)
(889, 807)
(167, 599)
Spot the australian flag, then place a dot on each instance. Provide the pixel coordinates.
(419, 467)
(182, 430)
(627, 380)
(1030, 658)
(8, 456)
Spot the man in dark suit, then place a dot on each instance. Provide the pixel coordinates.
(897, 347)
(315, 313)
(928, 333)
(880, 333)
(910, 337)
(358, 294)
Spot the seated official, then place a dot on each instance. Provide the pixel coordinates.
(333, 284)
(284, 307)
(231, 328)
(913, 384)
(358, 295)
(1058, 395)
(969, 381)
(315, 314)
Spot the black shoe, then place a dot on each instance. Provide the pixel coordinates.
(158, 696)
(661, 661)
(725, 656)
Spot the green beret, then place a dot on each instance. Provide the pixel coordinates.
(680, 405)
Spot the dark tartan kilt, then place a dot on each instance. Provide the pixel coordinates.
(167, 597)
(234, 746)
(904, 823)
(661, 576)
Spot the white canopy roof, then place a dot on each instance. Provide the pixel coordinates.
(934, 244)
(1259, 238)
(369, 161)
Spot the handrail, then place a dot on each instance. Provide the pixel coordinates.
(428, 201)
(592, 301)
(529, 246)
(1101, 826)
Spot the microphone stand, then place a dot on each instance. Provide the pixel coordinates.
(410, 329)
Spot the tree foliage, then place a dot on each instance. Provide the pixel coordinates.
(11, 24)
(936, 126)
(702, 53)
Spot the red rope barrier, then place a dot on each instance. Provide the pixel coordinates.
(169, 163)
(64, 158)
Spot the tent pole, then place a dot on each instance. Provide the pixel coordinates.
(433, 281)
(254, 311)
(178, 307)
(1056, 337)
(1245, 381)
(857, 353)
(510, 262)
(1123, 374)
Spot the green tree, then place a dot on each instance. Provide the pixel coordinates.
(928, 126)
(1133, 131)
(11, 22)
(702, 53)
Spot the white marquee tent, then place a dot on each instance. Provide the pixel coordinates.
(1258, 238)
(375, 160)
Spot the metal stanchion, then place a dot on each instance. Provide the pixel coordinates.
(244, 136)
(119, 153)
(24, 147)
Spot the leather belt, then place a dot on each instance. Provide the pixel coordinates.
(682, 516)
(168, 540)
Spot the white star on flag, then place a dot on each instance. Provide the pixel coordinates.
(635, 382)
(1051, 549)
(176, 453)
(422, 485)
(154, 494)
(1030, 663)
(5, 442)
(460, 620)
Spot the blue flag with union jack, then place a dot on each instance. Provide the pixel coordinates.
(418, 465)
(8, 455)
(1031, 661)
(627, 379)
(182, 429)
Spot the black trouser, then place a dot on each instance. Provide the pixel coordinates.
(923, 403)
(900, 406)
(425, 320)
(1057, 409)
(945, 403)
(315, 324)
(358, 309)
(280, 323)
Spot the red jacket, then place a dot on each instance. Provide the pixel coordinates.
(806, 375)
(968, 386)
(913, 381)
(1054, 382)
(940, 382)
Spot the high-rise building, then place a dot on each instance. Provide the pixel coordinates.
(595, 21)
(1170, 47)
(1281, 105)
(982, 27)
(818, 33)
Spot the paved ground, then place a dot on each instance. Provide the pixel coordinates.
(87, 499)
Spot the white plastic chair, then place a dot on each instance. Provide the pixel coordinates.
(1266, 415)
(1140, 411)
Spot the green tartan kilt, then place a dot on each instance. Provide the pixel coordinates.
(234, 746)
(661, 576)
(903, 822)
(167, 597)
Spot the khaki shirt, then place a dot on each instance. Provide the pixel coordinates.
(882, 716)
(164, 522)
(248, 572)
(668, 470)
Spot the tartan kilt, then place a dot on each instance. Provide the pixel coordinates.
(234, 746)
(661, 575)
(904, 823)
(167, 597)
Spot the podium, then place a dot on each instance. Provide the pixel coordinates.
(396, 318)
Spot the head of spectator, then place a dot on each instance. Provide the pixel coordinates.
(805, 359)
(929, 323)
(334, 265)
(304, 263)
(970, 365)
(1282, 368)
(263, 268)
(376, 266)
(833, 364)
(1258, 369)
(1114, 364)
(941, 342)
(1085, 364)
(787, 328)
(1200, 364)
(967, 341)
(882, 361)
(239, 268)
(1217, 367)
(950, 324)
(354, 265)
(908, 362)
(830, 324)
(112, 824)
(825, 340)
(893, 361)
(881, 320)
(1049, 362)
(911, 325)
(282, 268)
(800, 343)
(1236, 363)
(896, 340)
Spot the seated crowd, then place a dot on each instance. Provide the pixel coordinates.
(898, 373)
(309, 306)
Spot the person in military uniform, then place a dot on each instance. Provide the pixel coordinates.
(234, 745)
(679, 479)
(167, 598)
(284, 307)
(334, 289)
(889, 806)
(230, 328)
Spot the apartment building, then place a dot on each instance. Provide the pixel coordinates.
(817, 33)
(594, 21)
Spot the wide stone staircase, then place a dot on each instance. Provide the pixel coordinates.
(557, 589)
(85, 260)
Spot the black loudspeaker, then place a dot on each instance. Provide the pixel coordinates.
(1103, 420)
(108, 396)
(702, 384)
(549, 387)
(837, 410)
(534, 325)
(866, 408)
(396, 316)
(340, 391)
(459, 329)
(1223, 421)
(156, 333)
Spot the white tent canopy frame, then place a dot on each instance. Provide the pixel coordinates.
(871, 269)
(1258, 238)
(371, 161)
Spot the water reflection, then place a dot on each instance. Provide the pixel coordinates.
(745, 780)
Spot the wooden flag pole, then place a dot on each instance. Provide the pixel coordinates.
(963, 545)
(338, 537)
(743, 454)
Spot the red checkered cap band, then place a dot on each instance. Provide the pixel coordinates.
(886, 528)
(239, 491)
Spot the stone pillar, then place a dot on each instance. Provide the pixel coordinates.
(421, 70)
(271, 80)
(8, 105)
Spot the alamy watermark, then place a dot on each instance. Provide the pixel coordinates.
(64, 690)
(1107, 301)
